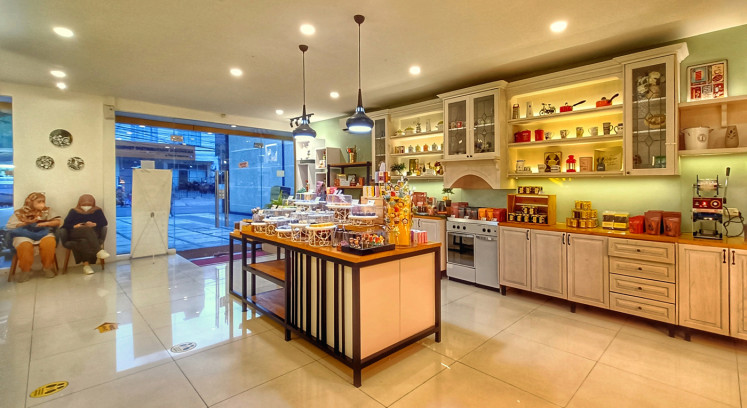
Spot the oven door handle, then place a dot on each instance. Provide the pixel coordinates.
(459, 234)
(485, 238)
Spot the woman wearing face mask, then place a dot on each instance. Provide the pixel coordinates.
(32, 225)
(83, 224)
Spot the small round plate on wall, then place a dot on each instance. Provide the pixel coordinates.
(61, 138)
(44, 162)
(75, 163)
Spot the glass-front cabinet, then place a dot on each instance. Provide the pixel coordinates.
(471, 121)
(379, 141)
(651, 116)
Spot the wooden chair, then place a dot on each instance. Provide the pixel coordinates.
(68, 245)
(14, 264)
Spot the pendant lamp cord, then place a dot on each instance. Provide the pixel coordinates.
(303, 63)
(359, 56)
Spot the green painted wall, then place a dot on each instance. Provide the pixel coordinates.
(632, 194)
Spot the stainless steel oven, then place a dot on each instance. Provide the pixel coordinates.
(472, 251)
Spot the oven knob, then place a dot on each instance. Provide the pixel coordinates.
(483, 230)
(464, 227)
(488, 229)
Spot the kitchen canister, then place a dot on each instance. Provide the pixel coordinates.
(696, 138)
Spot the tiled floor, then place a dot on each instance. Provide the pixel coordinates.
(517, 350)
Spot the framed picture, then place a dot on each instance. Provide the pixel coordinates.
(552, 159)
(706, 81)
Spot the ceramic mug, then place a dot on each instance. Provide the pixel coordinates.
(606, 128)
(593, 131)
(548, 135)
(579, 132)
(563, 133)
(619, 129)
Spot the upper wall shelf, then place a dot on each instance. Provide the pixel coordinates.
(415, 136)
(577, 114)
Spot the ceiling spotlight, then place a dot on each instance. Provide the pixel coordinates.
(233, 126)
(237, 72)
(63, 32)
(415, 70)
(61, 85)
(307, 29)
(334, 95)
(279, 111)
(58, 74)
(558, 26)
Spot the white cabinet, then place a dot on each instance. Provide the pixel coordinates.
(514, 258)
(436, 230)
(703, 290)
(379, 142)
(738, 292)
(473, 121)
(548, 265)
(588, 279)
(651, 115)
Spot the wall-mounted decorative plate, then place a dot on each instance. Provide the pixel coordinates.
(44, 162)
(75, 163)
(61, 138)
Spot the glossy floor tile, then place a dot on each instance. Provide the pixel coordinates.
(521, 349)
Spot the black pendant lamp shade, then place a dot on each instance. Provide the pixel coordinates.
(359, 122)
(304, 129)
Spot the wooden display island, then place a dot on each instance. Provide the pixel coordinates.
(359, 309)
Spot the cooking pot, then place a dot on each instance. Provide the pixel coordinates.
(606, 102)
(696, 138)
(568, 108)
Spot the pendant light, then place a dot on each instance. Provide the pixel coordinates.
(304, 129)
(359, 122)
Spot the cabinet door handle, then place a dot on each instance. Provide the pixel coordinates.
(724, 251)
(569, 239)
(640, 269)
(527, 235)
(640, 288)
(733, 257)
(563, 239)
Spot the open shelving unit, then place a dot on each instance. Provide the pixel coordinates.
(717, 114)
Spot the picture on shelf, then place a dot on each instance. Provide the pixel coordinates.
(552, 159)
(608, 159)
(706, 81)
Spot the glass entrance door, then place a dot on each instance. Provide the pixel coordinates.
(217, 179)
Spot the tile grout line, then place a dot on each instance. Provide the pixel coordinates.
(31, 343)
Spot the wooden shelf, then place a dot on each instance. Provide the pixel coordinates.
(421, 135)
(416, 178)
(272, 301)
(346, 165)
(273, 271)
(713, 152)
(568, 142)
(566, 175)
(349, 187)
(428, 153)
(716, 101)
(555, 117)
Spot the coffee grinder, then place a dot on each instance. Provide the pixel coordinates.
(709, 197)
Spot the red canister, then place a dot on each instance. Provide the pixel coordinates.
(523, 136)
(539, 135)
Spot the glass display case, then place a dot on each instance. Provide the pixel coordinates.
(651, 117)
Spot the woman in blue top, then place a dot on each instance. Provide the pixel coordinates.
(83, 224)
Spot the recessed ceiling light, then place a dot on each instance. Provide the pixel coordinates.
(63, 32)
(237, 72)
(142, 126)
(334, 95)
(129, 133)
(58, 73)
(558, 26)
(308, 29)
(415, 70)
(279, 111)
(233, 125)
(61, 85)
(210, 133)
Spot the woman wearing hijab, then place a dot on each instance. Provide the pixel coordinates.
(32, 225)
(83, 224)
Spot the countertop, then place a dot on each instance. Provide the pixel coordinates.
(329, 252)
(735, 243)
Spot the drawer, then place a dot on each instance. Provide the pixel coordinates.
(643, 269)
(650, 309)
(642, 250)
(645, 288)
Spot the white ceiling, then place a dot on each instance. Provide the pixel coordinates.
(178, 52)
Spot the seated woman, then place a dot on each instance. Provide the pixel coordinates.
(83, 224)
(32, 225)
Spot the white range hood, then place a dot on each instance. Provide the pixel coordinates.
(473, 173)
